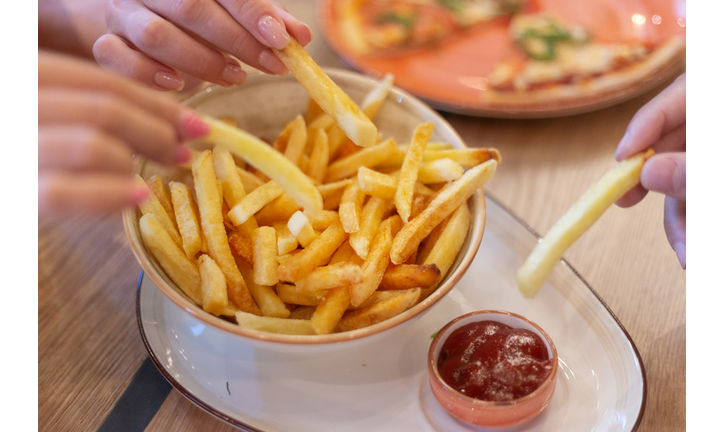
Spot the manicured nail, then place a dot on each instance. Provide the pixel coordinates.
(193, 127)
(168, 81)
(680, 250)
(183, 155)
(271, 63)
(274, 32)
(233, 74)
(139, 193)
(621, 145)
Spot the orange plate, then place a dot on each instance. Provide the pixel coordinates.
(451, 75)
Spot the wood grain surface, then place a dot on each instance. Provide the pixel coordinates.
(88, 339)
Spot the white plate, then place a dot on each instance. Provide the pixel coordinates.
(382, 386)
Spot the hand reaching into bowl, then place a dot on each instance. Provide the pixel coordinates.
(152, 41)
(90, 123)
(661, 124)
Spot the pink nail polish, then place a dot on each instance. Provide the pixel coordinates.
(193, 127)
(183, 155)
(233, 74)
(274, 32)
(271, 63)
(139, 193)
(168, 81)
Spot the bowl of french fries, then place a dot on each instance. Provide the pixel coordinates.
(324, 208)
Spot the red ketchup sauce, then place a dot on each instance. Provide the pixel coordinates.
(491, 361)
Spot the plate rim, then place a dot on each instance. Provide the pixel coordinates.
(241, 425)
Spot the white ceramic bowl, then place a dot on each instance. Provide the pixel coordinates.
(262, 106)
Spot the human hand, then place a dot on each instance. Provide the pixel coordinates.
(661, 124)
(90, 122)
(152, 40)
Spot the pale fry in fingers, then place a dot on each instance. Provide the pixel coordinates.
(254, 202)
(331, 276)
(368, 157)
(212, 224)
(376, 261)
(584, 213)
(350, 207)
(328, 95)
(186, 218)
(439, 171)
(280, 169)
(152, 205)
(372, 214)
(158, 189)
(274, 325)
(407, 276)
(265, 256)
(449, 199)
(466, 158)
(379, 312)
(320, 250)
(408, 172)
(213, 286)
(178, 266)
(327, 315)
(269, 302)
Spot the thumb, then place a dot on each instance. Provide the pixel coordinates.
(666, 173)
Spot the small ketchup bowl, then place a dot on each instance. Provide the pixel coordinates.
(493, 413)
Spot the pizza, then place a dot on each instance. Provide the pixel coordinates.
(391, 26)
(559, 60)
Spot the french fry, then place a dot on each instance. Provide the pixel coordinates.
(376, 261)
(242, 247)
(449, 199)
(328, 95)
(232, 187)
(153, 206)
(209, 201)
(291, 294)
(466, 158)
(439, 171)
(187, 218)
(303, 312)
(249, 180)
(337, 140)
(407, 276)
(178, 266)
(213, 286)
(329, 312)
(280, 169)
(320, 250)
(346, 253)
(281, 209)
(379, 312)
(350, 207)
(332, 193)
(419, 202)
(328, 277)
(410, 166)
(265, 256)
(377, 297)
(319, 158)
(582, 214)
(269, 302)
(158, 189)
(297, 140)
(324, 122)
(323, 222)
(254, 202)
(286, 241)
(368, 157)
(300, 227)
(372, 214)
(384, 185)
(274, 325)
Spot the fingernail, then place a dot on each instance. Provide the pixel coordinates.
(680, 250)
(193, 127)
(274, 32)
(621, 145)
(168, 81)
(271, 63)
(139, 193)
(183, 155)
(233, 74)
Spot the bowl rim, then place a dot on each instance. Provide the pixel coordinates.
(475, 233)
(479, 403)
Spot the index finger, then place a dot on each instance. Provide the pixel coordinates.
(659, 116)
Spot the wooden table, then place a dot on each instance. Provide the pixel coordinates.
(89, 344)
